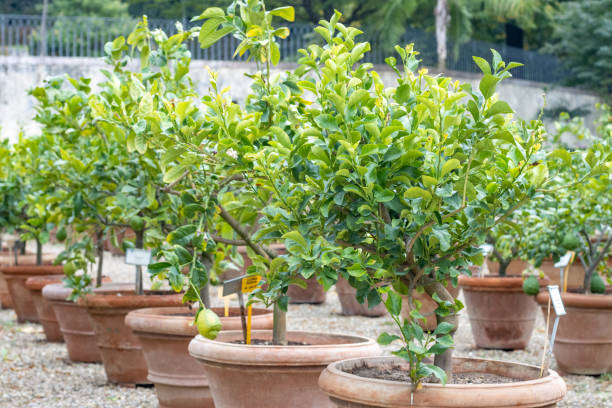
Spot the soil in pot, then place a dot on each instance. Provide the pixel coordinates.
(164, 333)
(21, 296)
(428, 306)
(121, 351)
(74, 323)
(261, 376)
(349, 304)
(46, 314)
(501, 315)
(583, 343)
(477, 383)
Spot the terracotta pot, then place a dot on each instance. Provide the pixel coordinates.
(349, 304)
(575, 279)
(261, 376)
(74, 324)
(7, 259)
(45, 312)
(351, 391)
(428, 306)
(22, 297)
(107, 307)
(502, 316)
(165, 333)
(583, 344)
(314, 292)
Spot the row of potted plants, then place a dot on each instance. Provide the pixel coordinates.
(389, 189)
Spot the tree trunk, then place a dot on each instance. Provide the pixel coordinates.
(503, 267)
(100, 254)
(444, 360)
(43, 30)
(279, 329)
(139, 245)
(205, 295)
(441, 12)
(38, 252)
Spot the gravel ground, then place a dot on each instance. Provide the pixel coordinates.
(34, 373)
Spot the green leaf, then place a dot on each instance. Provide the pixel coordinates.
(385, 339)
(417, 192)
(443, 328)
(358, 96)
(296, 237)
(173, 174)
(287, 13)
(449, 166)
(274, 53)
(482, 64)
(383, 195)
(394, 303)
(487, 86)
(356, 270)
(499, 107)
(145, 107)
(210, 12)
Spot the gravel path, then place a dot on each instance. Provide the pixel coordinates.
(37, 374)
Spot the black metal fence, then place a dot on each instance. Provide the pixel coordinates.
(86, 36)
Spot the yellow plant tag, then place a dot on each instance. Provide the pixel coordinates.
(250, 283)
(248, 331)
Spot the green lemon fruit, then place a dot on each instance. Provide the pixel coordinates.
(570, 241)
(69, 268)
(61, 234)
(137, 223)
(209, 324)
(531, 286)
(597, 284)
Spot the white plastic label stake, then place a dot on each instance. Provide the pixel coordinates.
(139, 257)
(486, 249)
(564, 260)
(557, 302)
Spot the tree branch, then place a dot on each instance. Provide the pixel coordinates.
(244, 234)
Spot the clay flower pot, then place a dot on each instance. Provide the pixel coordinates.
(349, 304)
(45, 312)
(516, 267)
(74, 323)
(16, 277)
(267, 376)
(502, 316)
(121, 352)
(428, 306)
(165, 333)
(351, 391)
(7, 259)
(583, 344)
(314, 292)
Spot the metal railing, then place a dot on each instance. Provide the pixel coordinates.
(86, 36)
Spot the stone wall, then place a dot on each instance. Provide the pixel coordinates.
(18, 74)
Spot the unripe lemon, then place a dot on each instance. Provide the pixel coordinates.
(69, 268)
(137, 223)
(61, 234)
(208, 324)
(597, 284)
(531, 286)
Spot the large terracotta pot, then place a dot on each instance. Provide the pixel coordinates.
(583, 344)
(575, 279)
(314, 292)
(266, 376)
(428, 306)
(46, 314)
(349, 304)
(165, 333)
(7, 259)
(351, 391)
(16, 277)
(516, 267)
(74, 323)
(121, 352)
(501, 315)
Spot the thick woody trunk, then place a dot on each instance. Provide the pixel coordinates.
(38, 252)
(441, 12)
(100, 255)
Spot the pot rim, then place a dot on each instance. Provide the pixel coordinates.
(333, 379)
(493, 282)
(37, 283)
(224, 352)
(25, 271)
(130, 300)
(579, 300)
(161, 320)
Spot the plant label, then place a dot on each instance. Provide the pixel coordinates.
(139, 257)
(557, 302)
(486, 249)
(565, 260)
(241, 284)
(250, 283)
